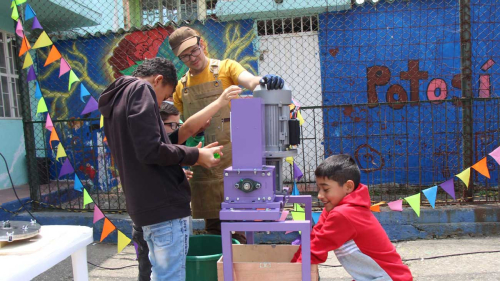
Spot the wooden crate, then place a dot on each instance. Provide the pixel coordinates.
(265, 262)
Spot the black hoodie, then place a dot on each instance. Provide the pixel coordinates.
(156, 189)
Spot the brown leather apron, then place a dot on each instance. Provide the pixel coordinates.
(207, 185)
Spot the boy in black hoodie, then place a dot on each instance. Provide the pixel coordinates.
(156, 190)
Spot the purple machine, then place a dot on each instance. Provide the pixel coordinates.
(254, 197)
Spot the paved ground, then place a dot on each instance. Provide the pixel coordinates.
(482, 266)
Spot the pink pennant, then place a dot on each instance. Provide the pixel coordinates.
(496, 154)
(396, 205)
(48, 124)
(19, 29)
(64, 67)
(98, 215)
(284, 214)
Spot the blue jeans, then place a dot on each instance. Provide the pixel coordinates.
(168, 244)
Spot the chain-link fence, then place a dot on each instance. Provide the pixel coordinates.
(407, 87)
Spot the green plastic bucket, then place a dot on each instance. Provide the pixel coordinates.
(201, 261)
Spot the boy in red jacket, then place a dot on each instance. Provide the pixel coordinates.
(348, 227)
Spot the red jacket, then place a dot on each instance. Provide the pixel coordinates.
(352, 219)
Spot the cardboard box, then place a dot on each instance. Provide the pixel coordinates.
(265, 262)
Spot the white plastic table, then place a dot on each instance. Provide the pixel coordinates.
(24, 260)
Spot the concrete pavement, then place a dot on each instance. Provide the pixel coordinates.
(482, 266)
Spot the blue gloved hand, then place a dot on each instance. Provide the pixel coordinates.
(273, 81)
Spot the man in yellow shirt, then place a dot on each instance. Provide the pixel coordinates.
(204, 82)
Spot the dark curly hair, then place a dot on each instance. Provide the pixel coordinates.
(158, 66)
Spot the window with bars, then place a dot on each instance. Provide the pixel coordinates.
(287, 25)
(9, 94)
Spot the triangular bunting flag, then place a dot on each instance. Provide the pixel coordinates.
(78, 185)
(449, 187)
(375, 208)
(53, 137)
(107, 228)
(283, 216)
(36, 24)
(64, 67)
(465, 176)
(38, 92)
(396, 205)
(83, 92)
(414, 202)
(12, 4)
(66, 168)
(102, 121)
(29, 13)
(25, 46)
(297, 173)
(28, 61)
(482, 167)
(299, 117)
(315, 217)
(496, 154)
(42, 106)
(295, 190)
(42, 41)
(289, 160)
(19, 2)
(90, 106)
(72, 79)
(15, 13)
(60, 151)
(31, 74)
(298, 208)
(298, 216)
(19, 29)
(86, 198)
(48, 123)
(430, 193)
(123, 241)
(53, 56)
(98, 215)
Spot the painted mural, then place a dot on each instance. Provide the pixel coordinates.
(371, 61)
(97, 61)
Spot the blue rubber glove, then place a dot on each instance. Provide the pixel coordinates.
(273, 82)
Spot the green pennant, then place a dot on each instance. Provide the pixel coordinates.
(86, 198)
(15, 14)
(42, 106)
(72, 79)
(414, 202)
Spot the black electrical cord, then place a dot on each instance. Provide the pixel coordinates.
(431, 258)
(13, 188)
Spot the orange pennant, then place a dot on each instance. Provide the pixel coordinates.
(482, 167)
(53, 56)
(375, 208)
(53, 137)
(107, 228)
(25, 46)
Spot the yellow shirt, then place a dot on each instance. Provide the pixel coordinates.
(229, 70)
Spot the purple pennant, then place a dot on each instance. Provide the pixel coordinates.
(31, 74)
(66, 168)
(90, 106)
(297, 173)
(449, 187)
(136, 250)
(36, 24)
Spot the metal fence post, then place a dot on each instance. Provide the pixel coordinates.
(466, 71)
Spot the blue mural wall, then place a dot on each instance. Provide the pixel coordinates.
(97, 61)
(371, 59)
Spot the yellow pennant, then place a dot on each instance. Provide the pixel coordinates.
(465, 176)
(123, 241)
(60, 152)
(301, 120)
(42, 41)
(72, 79)
(28, 61)
(42, 106)
(289, 160)
(102, 121)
